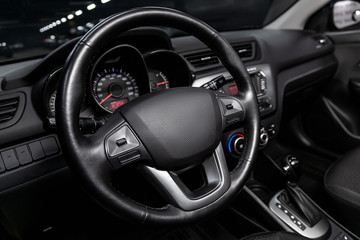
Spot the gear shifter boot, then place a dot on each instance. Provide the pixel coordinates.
(299, 203)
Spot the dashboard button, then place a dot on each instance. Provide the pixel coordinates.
(49, 146)
(2, 166)
(121, 141)
(267, 102)
(36, 150)
(10, 159)
(129, 157)
(229, 106)
(23, 155)
(234, 90)
(115, 148)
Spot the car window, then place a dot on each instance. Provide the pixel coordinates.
(30, 28)
(339, 15)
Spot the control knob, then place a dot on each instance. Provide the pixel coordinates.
(239, 144)
(291, 168)
(266, 102)
(264, 137)
(236, 144)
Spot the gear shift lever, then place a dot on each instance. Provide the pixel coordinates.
(295, 208)
(298, 202)
(293, 197)
(291, 168)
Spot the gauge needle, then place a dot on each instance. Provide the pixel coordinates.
(106, 98)
(162, 83)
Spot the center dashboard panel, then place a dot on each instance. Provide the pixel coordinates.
(261, 78)
(264, 85)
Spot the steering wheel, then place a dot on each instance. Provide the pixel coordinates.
(161, 133)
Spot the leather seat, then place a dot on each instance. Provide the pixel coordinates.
(274, 236)
(342, 182)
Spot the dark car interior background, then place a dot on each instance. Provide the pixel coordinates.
(123, 121)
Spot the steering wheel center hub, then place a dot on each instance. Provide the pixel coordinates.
(179, 127)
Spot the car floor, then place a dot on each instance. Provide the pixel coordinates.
(96, 223)
(209, 230)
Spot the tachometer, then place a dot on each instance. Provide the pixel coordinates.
(113, 88)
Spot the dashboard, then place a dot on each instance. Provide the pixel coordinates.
(146, 60)
(285, 66)
(121, 72)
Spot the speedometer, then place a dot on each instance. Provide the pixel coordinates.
(113, 88)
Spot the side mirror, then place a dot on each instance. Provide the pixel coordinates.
(346, 13)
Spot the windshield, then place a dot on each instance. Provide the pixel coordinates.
(32, 28)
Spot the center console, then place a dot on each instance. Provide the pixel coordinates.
(273, 184)
(319, 228)
(279, 194)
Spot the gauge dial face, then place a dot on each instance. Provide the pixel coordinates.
(113, 88)
(51, 105)
(158, 81)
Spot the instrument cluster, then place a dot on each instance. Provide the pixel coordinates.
(120, 75)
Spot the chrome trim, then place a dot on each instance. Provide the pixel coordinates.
(201, 81)
(316, 231)
(111, 147)
(177, 193)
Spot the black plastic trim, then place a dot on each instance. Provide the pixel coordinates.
(20, 105)
(32, 170)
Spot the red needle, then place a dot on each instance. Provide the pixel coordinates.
(106, 98)
(162, 83)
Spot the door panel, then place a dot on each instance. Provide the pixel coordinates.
(334, 119)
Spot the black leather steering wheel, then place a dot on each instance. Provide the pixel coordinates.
(161, 132)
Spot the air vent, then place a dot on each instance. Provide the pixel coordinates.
(11, 108)
(202, 59)
(207, 59)
(246, 51)
(8, 109)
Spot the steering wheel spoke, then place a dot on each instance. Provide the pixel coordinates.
(216, 179)
(121, 145)
(232, 110)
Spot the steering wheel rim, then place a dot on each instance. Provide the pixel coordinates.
(93, 174)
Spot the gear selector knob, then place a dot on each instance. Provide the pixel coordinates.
(291, 168)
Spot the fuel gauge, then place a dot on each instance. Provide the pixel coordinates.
(158, 81)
